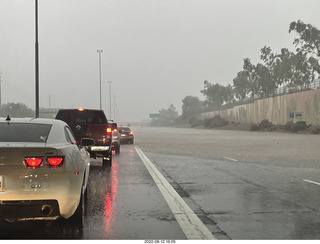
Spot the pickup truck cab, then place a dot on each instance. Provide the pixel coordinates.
(90, 123)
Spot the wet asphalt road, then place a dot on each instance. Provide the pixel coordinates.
(253, 185)
(242, 185)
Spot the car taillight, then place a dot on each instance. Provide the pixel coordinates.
(109, 131)
(54, 162)
(33, 162)
(131, 133)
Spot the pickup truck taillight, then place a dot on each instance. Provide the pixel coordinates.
(109, 132)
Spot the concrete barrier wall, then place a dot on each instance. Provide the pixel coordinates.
(304, 106)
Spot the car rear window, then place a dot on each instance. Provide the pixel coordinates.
(23, 132)
(82, 117)
(124, 129)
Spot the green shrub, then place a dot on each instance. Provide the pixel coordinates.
(294, 127)
(265, 125)
(316, 130)
(255, 127)
(300, 125)
(289, 126)
(217, 121)
(193, 121)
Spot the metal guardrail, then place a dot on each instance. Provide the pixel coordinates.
(292, 89)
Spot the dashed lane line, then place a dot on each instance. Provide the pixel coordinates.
(312, 182)
(232, 159)
(189, 222)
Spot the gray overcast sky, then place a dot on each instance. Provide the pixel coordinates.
(155, 52)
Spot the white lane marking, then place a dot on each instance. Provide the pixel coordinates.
(231, 159)
(189, 222)
(312, 182)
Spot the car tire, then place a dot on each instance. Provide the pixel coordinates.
(78, 217)
(107, 162)
(118, 150)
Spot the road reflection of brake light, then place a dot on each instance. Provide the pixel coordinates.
(110, 199)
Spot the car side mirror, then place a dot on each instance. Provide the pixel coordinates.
(87, 142)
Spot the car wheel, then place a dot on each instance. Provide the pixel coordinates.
(118, 150)
(78, 217)
(107, 161)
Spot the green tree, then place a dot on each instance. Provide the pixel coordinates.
(308, 43)
(266, 83)
(216, 95)
(16, 110)
(241, 85)
(288, 68)
(191, 107)
(246, 83)
(168, 117)
(253, 88)
(309, 37)
(228, 94)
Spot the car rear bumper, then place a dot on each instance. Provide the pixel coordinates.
(99, 151)
(126, 139)
(35, 189)
(32, 209)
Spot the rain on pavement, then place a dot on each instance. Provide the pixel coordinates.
(242, 185)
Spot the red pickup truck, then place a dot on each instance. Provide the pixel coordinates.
(90, 123)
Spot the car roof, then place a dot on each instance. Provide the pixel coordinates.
(32, 120)
(123, 127)
(77, 109)
(56, 135)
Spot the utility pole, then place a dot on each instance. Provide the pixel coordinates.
(100, 51)
(0, 92)
(37, 59)
(114, 107)
(110, 96)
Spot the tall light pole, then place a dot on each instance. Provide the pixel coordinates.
(99, 52)
(37, 59)
(110, 96)
(114, 107)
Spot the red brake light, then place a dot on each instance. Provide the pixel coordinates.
(54, 162)
(80, 109)
(131, 133)
(109, 131)
(33, 162)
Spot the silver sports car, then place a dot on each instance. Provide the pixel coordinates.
(43, 172)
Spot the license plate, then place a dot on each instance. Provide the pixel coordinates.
(123, 134)
(1, 183)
